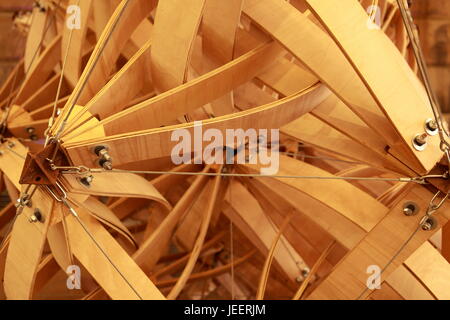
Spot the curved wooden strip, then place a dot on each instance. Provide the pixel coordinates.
(151, 249)
(268, 263)
(311, 130)
(219, 24)
(38, 25)
(407, 285)
(156, 143)
(162, 109)
(103, 214)
(246, 213)
(12, 161)
(112, 98)
(298, 295)
(176, 290)
(101, 13)
(41, 70)
(173, 36)
(136, 285)
(25, 249)
(321, 56)
(337, 194)
(432, 269)
(210, 273)
(14, 79)
(45, 94)
(72, 71)
(346, 20)
(378, 248)
(112, 184)
(133, 12)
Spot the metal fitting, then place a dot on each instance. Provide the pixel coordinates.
(105, 160)
(410, 208)
(36, 217)
(86, 181)
(420, 141)
(429, 223)
(431, 127)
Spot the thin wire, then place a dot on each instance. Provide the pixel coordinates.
(58, 91)
(250, 175)
(432, 208)
(233, 294)
(67, 239)
(232, 259)
(75, 214)
(392, 259)
(89, 72)
(296, 154)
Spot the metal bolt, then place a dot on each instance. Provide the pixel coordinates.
(31, 130)
(429, 224)
(305, 272)
(426, 226)
(106, 164)
(410, 209)
(86, 181)
(105, 160)
(37, 216)
(420, 141)
(431, 127)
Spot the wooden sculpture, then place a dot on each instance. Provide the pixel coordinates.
(88, 118)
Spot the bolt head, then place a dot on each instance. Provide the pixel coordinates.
(407, 211)
(421, 140)
(86, 181)
(305, 272)
(426, 226)
(107, 165)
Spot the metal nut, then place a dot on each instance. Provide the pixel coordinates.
(410, 208)
(431, 127)
(429, 224)
(420, 141)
